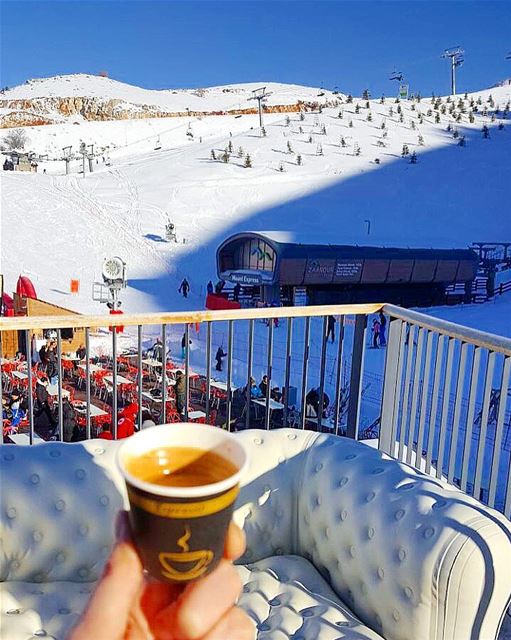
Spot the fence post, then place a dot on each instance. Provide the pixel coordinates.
(357, 358)
(390, 389)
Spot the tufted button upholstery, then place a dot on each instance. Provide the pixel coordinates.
(342, 542)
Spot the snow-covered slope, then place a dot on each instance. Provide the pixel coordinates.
(56, 227)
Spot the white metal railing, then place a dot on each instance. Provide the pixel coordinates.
(438, 399)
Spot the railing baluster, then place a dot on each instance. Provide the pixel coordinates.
(322, 367)
(338, 376)
(415, 396)
(248, 397)
(114, 382)
(187, 369)
(434, 401)
(357, 372)
(28, 351)
(59, 385)
(504, 387)
(490, 367)
(425, 395)
(457, 413)
(2, 369)
(164, 385)
(288, 367)
(474, 381)
(410, 337)
(229, 374)
(391, 387)
(267, 413)
(445, 407)
(87, 384)
(208, 369)
(140, 384)
(304, 370)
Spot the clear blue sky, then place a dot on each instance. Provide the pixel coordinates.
(163, 44)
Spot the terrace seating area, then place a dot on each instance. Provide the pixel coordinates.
(342, 542)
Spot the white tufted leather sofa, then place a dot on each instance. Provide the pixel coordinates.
(342, 542)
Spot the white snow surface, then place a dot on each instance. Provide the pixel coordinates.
(56, 227)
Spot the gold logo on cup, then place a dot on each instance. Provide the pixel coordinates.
(201, 559)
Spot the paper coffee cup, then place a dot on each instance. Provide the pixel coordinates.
(180, 531)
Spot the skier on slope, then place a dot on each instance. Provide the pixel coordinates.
(220, 354)
(184, 288)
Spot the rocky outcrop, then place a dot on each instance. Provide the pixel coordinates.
(42, 111)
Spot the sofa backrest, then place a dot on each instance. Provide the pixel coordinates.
(58, 504)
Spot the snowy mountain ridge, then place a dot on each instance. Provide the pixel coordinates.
(85, 97)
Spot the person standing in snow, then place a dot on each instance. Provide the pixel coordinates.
(210, 288)
(376, 333)
(184, 288)
(331, 328)
(383, 324)
(220, 354)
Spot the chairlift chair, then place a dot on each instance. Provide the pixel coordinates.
(157, 146)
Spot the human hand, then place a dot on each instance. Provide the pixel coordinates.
(126, 605)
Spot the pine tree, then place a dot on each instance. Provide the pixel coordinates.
(429, 113)
(350, 124)
(385, 133)
(356, 149)
(391, 111)
(412, 125)
(397, 100)
(319, 150)
(455, 134)
(382, 100)
(382, 125)
(401, 118)
(365, 95)
(405, 151)
(421, 119)
(300, 130)
(448, 128)
(302, 116)
(437, 118)
(225, 156)
(420, 141)
(342, 142)
(413, 158)
(229, 147)
(369, 117)
(323, 130)
(368, 105)
(501, 126)
(240, 152)
(357, 108)
(461, 141)
(380, 143)
(349, 99)
(458, 117)
(340, 114)
(486, 132)
(398, 109)
(213, 154)
(465, 96)
(471, 118)
(248, 162)
(288, 121)
(299, 160)
(377, 161)
(263, 132)
(289, 147)
(310, 140)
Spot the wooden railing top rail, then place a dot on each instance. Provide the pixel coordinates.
(182, 317)
(490, 341)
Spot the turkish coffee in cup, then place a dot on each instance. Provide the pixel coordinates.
(182, 481)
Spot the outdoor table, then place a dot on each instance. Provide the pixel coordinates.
(53, 390)
(152, 363)
(274, 405)
(71, 358)
(120, 379)
(196, 415)
(21, 375)
(218, 384)
(94, 410)
(24, 438)
(148, 396)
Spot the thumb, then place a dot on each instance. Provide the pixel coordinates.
(107, 613)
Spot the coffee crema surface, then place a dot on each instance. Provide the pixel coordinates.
(180, 467)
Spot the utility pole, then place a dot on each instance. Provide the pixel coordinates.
(67, 157)
(90, 156)
(456, 54)
(260, 95)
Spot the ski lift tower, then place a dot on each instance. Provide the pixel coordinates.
(456, 54)
(67, 157)
(260, 95)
